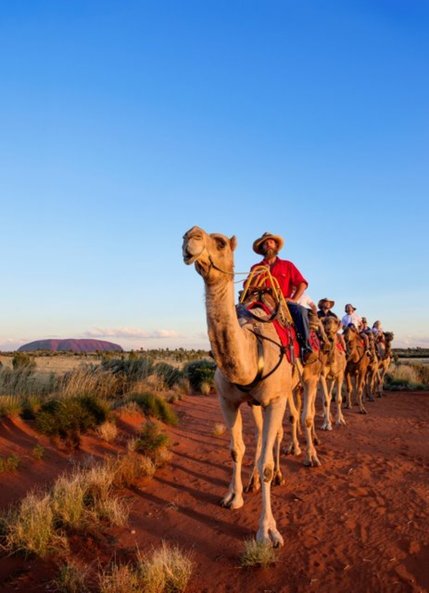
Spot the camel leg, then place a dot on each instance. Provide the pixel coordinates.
(273, 417)
(360, 384)
(232, 416)
(294, 448)
(340, 417)
(278, 479)
(254, 482)
(327, 424)
(349, 389)
(310, 388)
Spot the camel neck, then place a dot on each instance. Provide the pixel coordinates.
(230, 344)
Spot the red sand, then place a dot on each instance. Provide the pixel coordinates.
(357, 524)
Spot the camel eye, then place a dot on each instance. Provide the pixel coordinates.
(220, 243)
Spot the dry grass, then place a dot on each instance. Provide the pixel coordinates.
(107, 431)
(167, 570)
(72, 578)
(75, 501)
(120, 578)
(219, 429)
(131, 467)
(30, 528)
(257, 554)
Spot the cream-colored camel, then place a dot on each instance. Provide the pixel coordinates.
(356, 367)
(235, 350)
(332, 375)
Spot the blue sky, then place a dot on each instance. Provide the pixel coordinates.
(123, 124)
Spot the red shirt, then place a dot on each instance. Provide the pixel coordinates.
(286, 273)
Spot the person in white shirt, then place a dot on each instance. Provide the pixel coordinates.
(351, 317)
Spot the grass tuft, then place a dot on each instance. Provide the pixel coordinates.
(167, 570)
(257, 554)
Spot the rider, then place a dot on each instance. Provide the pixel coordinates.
(292, 285)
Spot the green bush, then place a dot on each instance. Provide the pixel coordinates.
(200, 373)
(170, 374)
(150, 440)
(22, 360)
(70, 417)
(9, 464)
(154, 406)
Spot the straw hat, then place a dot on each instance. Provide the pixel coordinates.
(325, 300)
(257, 245)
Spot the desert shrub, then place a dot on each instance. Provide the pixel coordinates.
(30, 527)
(406, 377)
(23, 381)
(86, 497)
(131, 467)
(108, 431)
(89, 379)
(120, 578)
(23, 360)
(200, 373)
(257, 554)
(31, 404)
(68, 418)
(38, 451)
(151, 440)
(170, 374)
(154, 406)
(10, 405)
(128, 371)
(10, 463)
(167, 570)
(72, 578)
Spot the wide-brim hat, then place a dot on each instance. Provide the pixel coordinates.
(330, 303)
(349, 305)
(257, 245)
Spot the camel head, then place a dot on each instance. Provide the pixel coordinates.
(350, 334)
(388, 336)
(331, 325)
(212, 254)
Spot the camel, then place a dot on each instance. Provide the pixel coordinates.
(356, 367)
(332, 374)
(384, 353)
(236, 350)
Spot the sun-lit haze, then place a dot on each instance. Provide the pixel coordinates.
(123, 124)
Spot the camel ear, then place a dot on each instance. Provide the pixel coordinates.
(233, 242)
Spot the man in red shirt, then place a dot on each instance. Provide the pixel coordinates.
(292, 284)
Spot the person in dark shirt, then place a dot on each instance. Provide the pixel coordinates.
(324, 308)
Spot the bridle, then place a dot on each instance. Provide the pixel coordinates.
(259, 337)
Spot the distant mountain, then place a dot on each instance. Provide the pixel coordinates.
(71, 345)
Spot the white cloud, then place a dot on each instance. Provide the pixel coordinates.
(130, 333)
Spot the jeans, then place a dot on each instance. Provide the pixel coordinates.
(302, 325)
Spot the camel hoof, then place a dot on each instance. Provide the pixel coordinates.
(232, 501)
(363, 411)
(278, 479)
(271, 537)
(326, 426)
(254, 485)
(292, 450)
(312, 461)
(340, 422)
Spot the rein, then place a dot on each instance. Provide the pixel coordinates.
(259, 375)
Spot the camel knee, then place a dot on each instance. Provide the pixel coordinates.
(268, 472)
(237, 453)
